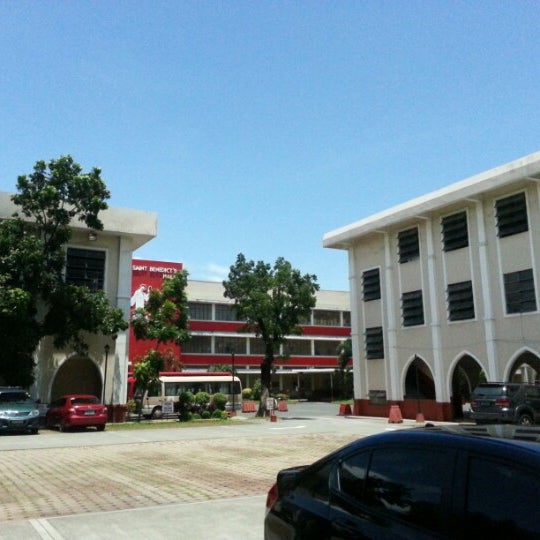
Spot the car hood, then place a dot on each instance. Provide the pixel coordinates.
(17, 407)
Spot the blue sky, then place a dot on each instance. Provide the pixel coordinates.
(257, 127)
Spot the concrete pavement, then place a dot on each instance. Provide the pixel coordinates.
(156, 483)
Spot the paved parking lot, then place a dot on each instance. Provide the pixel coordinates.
(59, 481)
(85, 475)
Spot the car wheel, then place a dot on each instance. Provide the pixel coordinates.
(101, 427)
(157, 413)
(525, 420)
(62, 426)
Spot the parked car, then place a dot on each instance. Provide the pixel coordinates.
(76, 410)
(430, 482)
(504, 402)
(18, 411)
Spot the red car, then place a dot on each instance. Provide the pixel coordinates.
(76, 410)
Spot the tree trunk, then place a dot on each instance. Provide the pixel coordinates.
(266, 383)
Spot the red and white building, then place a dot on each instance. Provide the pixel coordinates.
(311, 357)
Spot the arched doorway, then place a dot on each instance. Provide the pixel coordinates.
(466, 375)
(419, 389)
(419, 382)
(525, 368)
(77, 375)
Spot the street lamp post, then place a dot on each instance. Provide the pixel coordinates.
(232, 386)
(107, 347)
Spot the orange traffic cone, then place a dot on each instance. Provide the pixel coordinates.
(395, 415)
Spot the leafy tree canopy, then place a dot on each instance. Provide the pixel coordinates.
(35, 301)
(165, 316)
(273, 301)
(164, 319)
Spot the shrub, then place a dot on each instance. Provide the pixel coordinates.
(195, 416)
(202, 399)
(219, 401)
(247, 394)
(205, 415)
(185, 416)
(185, 401)
(224, 415)
(217, 414)
(131, 406)
(257, 389)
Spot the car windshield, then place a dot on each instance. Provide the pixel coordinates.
(15, 397)
(85, 401)
(494, 391)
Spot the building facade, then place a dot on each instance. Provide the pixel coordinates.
(309, 368)
(100, 260)
(444, 293)
(311, 358)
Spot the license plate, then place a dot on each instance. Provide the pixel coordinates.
(17, 422)
(89, 413)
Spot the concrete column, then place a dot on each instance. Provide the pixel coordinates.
(121, 349)
(485, 285)
(388, 305)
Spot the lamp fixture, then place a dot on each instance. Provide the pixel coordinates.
(92, 236)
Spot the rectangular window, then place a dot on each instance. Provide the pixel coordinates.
(298, 347)
(411, 485)
(200, 311)
(511, 213)
(519, 291)
(325, 348)
(347, 318)
(256, 346)
(408, 245)
(487, 508)
(371, 285)
(325, 317)
(198, 345)
(454, 231)
(460, 301)
(228, 345)
(374, 343)
(412, 308)
(225, 312)
(85, 267)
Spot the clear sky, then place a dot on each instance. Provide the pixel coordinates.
(257, 127)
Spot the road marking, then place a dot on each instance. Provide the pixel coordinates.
(288, 427)
(45, 529)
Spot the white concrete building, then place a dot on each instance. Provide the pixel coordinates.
(444, 291)
(102, 259)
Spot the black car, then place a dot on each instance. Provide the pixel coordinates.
(18, 411)
(506, 402)
(430, 482)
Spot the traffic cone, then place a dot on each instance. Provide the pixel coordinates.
(395, 415)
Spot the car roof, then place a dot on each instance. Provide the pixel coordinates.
(501, 438)
(78, 396)
(502, 383)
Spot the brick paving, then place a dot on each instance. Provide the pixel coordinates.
(43, 483)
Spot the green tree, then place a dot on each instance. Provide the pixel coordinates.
(35, 300)
(273, 301)
(222, 368)
(146, 373)
(163, 320)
